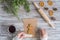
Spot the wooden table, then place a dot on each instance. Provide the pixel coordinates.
(8, 19)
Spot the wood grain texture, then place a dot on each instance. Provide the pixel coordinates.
(7, 19)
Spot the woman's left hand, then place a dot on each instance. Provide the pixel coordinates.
(23, 35)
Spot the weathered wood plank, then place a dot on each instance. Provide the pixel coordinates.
(9, 19)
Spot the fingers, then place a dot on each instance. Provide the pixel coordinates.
(28, 35)
(21, 35)
(43, 33)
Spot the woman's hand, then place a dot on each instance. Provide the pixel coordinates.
(23, 35)
(43, 34)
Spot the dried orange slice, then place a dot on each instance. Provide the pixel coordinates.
(41, 3)
(50, 3)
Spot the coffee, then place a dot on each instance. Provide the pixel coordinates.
(12, 29)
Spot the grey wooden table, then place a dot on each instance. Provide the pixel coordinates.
(9, 19)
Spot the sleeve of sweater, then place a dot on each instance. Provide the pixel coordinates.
(16, 38)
